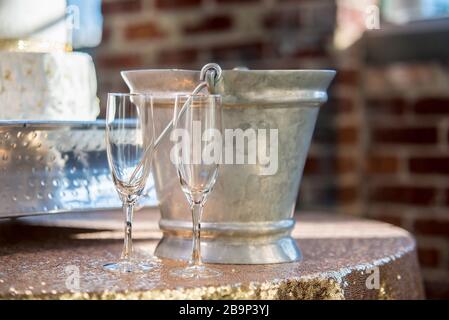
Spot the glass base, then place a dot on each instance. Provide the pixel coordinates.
(125, 266)
(143, 257)
(195, 272)
(153, 260)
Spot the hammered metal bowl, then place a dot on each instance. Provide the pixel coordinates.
(54, 167)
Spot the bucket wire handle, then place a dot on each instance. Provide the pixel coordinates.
(209, 76)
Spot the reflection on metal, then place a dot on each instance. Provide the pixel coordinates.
(51, 167)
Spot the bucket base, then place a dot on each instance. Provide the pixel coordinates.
(281, 250)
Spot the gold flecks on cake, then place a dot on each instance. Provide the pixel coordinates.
(48, 71)
(7, 75)
(23, 45)
(64, 82)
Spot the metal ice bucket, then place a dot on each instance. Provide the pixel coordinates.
(249, 216)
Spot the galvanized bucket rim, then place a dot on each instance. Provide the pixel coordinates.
(324, 71)
(240, 87)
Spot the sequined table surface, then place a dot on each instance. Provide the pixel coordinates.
(60, 257)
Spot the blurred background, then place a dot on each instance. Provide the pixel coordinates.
(381, 146)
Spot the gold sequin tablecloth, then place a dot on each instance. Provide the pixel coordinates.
(60, 257)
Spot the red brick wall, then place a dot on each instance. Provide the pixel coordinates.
(407, 159)
(189, 33)
(381, 148)
(391, 153)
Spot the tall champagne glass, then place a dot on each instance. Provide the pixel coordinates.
(129, 132)
(197, 153)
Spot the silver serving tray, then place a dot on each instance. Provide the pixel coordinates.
(56, 166)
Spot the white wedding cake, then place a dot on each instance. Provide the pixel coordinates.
(39, 78)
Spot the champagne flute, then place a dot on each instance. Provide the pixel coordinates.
(129, 132)
(197, 157)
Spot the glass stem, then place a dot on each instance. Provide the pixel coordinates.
(128, 210)
(197, 211)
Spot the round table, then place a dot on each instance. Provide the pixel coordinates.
(60, 257)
